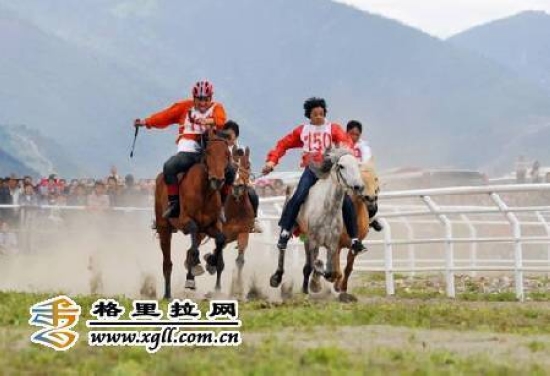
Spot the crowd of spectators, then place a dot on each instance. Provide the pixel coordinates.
(53, 191)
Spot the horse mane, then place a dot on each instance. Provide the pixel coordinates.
(336, 153)
(330, 157)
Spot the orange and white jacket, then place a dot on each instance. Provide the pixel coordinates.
(185, 114)
(313, 139)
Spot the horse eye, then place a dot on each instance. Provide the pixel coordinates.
(341, 167)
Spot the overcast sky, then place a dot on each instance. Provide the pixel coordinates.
(444, 18)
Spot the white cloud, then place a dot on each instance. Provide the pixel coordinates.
(444, 18)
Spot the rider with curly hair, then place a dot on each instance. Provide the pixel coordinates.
(314, 137)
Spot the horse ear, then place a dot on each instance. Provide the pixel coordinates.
(247, 151)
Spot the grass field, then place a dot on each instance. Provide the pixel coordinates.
(417, 332)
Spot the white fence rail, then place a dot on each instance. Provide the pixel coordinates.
(430, 214)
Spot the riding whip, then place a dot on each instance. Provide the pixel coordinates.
(135, 138)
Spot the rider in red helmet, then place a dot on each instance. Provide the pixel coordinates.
(194, 116)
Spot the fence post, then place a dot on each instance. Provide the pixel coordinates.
(411, 256)
(547, 228)
(388, 257)
(518, 251)
(449, 272)
(473, 245)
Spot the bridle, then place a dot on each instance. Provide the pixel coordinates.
(205, 153)
(341, 180)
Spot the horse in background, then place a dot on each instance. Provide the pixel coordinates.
(239, 214)
(320, 217)
(200, 208)
(363, 204)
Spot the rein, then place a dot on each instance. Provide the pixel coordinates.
(341, 180)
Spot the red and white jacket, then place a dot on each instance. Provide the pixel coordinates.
(362, 151)
(313, 139)
(185, 114)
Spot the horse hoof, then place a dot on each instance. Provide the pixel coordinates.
(239, 262)
(211, 269)
(197, 270)
(275, 280)
(209, 258)
(237, 288)
(190, 284)
(315, 285)
(347, 298)
(331, 277)
(319, 267)
(286, 291)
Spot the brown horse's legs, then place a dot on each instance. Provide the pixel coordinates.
(165, 237)
(242, 243)
(347, 271)
(214, 261)
(192, 261)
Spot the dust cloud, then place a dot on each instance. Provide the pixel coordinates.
(117, 253)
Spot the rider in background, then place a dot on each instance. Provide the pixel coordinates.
(231, 129)
(195, 116)
(314, 137)
(363, 153)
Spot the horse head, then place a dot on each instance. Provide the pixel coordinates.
(216, 156)
(344, 168)
(372, 184)
(242, 177)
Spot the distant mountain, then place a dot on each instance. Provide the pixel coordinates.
(9, 165)
(520, 43)
(34, 153)
(77, 98)
(104, 62)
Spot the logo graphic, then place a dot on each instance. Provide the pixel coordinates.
(57, 316)
(150, 327)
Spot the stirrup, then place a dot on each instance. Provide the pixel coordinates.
(222, 217)
(377, 226)
(173, 210)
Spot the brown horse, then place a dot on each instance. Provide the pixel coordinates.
(239, 213)
(370, 198)
(200, 208)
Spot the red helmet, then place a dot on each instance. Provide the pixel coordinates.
(203, 89)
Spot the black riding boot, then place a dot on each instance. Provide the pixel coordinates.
(373, 209)
(173, 210)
